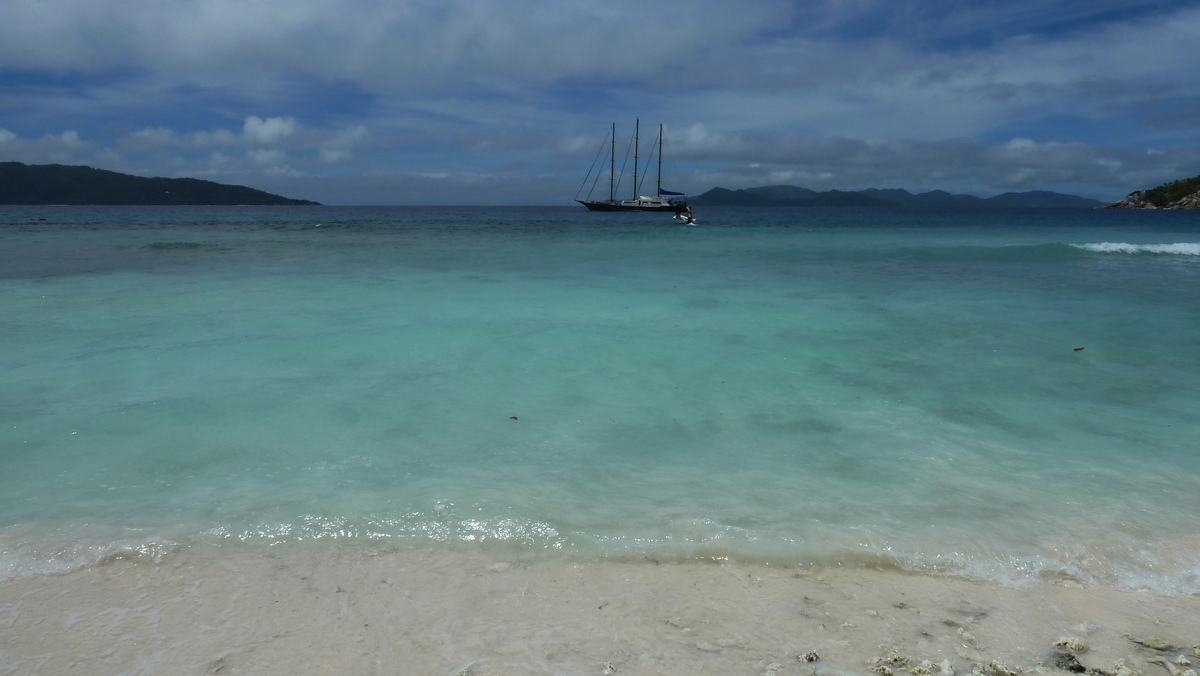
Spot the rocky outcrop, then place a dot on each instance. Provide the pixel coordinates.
(1181, 194)
(1137, 200)
(1134, 200)
(1192, 201)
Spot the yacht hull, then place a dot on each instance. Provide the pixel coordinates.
(619, 206)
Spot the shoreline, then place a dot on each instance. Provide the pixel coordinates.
(347, 610)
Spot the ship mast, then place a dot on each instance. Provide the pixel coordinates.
(612, 168)
(636, 124)
(658, 190)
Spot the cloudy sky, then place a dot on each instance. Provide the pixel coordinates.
(507, 101)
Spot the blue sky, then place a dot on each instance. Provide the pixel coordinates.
(506, 101)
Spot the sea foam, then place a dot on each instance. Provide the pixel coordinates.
(1178, 248)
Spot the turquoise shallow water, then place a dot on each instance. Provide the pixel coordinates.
(864, 387)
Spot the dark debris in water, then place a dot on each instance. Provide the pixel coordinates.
(1067, 662)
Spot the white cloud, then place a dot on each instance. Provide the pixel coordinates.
(339, 149)
(267, 157)
(67, 138)
(154, 135)
(335, 155)
(348, 137)
(266, 143)
(579, 145)
(149, 139)
(268, 131)
(217, 161)
(393, 46)
(66, 147)
(763, 65)
(1021, 145)
(221, 138)
(811, 61)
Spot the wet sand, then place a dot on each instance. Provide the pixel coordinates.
(331, 610)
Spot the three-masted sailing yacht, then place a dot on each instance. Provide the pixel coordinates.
(662, 200)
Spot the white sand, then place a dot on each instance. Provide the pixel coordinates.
(334, 610)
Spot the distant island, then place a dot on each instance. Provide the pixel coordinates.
(793, 196)
(1181, 194)
(63, 184)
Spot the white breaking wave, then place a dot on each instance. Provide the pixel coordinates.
(1178, 248)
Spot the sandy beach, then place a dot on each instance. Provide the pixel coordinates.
(344, 610)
